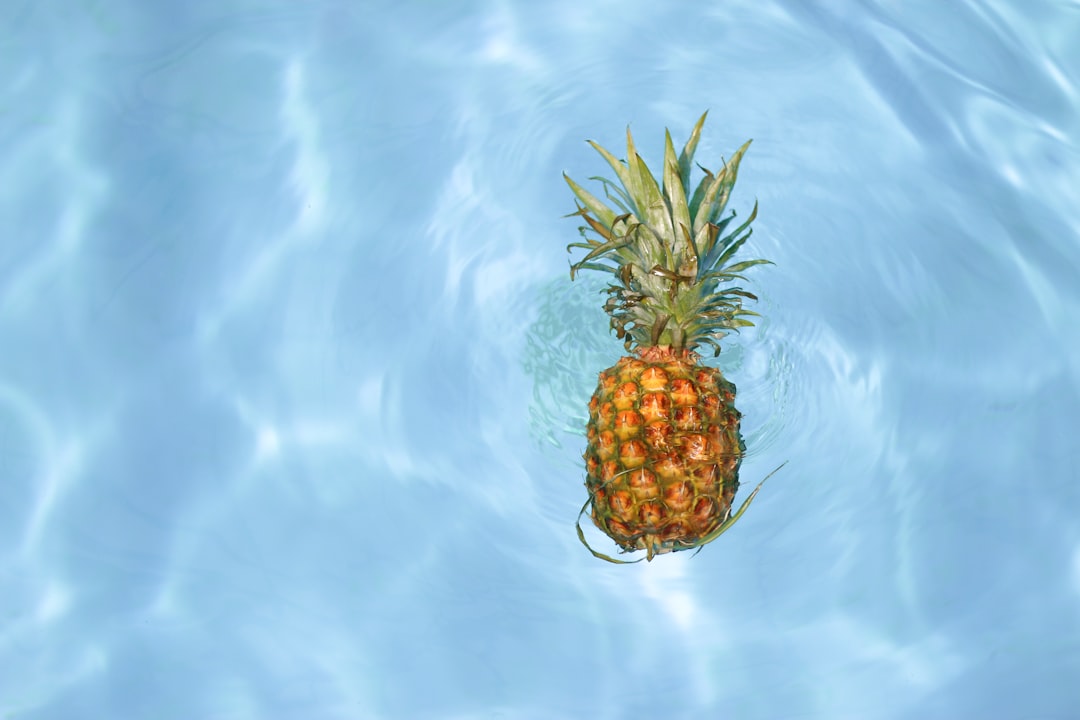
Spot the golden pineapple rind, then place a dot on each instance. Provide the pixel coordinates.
(663, 451)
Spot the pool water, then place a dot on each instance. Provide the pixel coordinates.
(293, 378)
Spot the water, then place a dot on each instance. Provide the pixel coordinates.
(292, 375)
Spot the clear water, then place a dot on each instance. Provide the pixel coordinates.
(292, 375)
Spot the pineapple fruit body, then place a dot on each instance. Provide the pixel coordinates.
(663, 451)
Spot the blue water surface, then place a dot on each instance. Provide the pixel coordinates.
(293, 376)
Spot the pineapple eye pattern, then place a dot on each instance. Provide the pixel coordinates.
(667, 499)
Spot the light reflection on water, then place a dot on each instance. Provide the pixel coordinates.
(293, 379)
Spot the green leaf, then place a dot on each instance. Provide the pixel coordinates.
(726, 249)
(721, 300)
(621, 171)
(699, 193)
(647, 195)
(686, 157)
(592, 266)
(731, 249)
(730, 172)
(607, 248)
(706, 241)
(721, 276)
(739, 267)
(674, 190)
(717, 328)
(621, 199)
(695, 254)
(650, 248)
(585, 246)
(605, 214)
(716, 196)
(722, 225)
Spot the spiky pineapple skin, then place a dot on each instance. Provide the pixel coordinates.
(664, 449)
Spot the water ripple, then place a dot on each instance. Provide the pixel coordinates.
(293, 382)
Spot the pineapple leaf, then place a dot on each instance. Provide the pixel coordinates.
(708, 234)
(671, 275)
(602, 231)
(622, 199)
(686, 157)
(712, 204)
(651, 248)
(694, 252)
(739, 267)
(647, 196)
(706, 240)
(607, 248)
(622, 172)
(720, 332)
(715, 345)
(722, 252)
(721, 276)
(704, 209)
(658, 328)
(592, 266)
(585, 245)
(721, 299)
(675, 279)
(730, 248)
(699, 192)
(605, 214)
(731, 171)
(721, 225)
(678, 338)
(581, 211)
(674, 191)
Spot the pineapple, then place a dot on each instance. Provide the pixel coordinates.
(663, 455)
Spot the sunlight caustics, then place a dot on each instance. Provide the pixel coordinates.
(83, 188)
(308, 181)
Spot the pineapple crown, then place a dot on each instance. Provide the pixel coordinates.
(670, 256)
